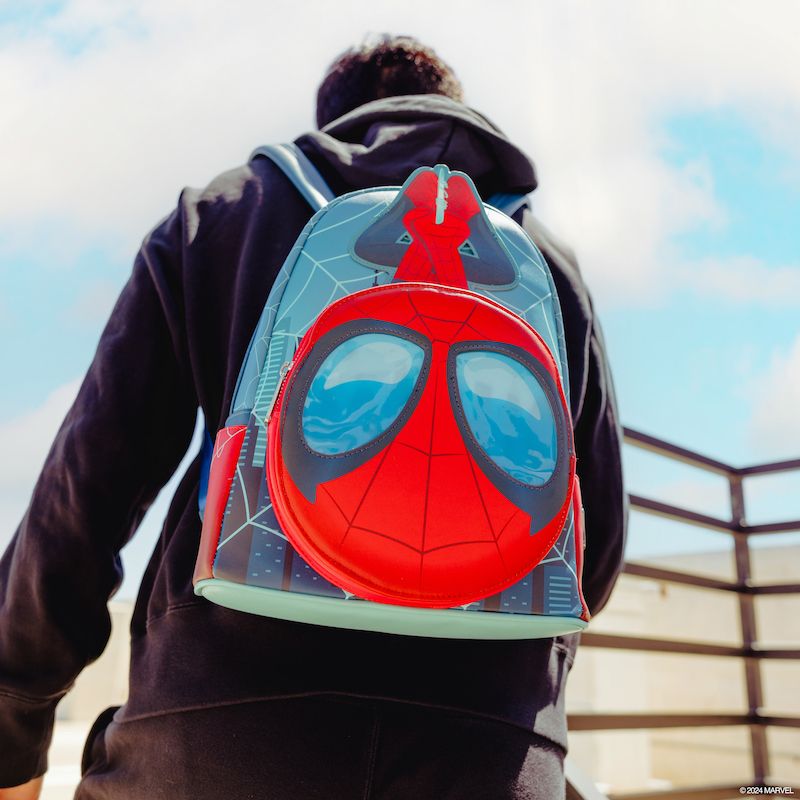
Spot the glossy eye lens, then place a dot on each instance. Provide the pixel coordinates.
(359, 390)
(509, 414)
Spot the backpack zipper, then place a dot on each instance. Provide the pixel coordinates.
(287, 365)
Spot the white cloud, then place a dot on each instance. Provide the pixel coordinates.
(109, 136)
(742, 280)
(111, 107)
(621, 212)
(615, 71)
(775, 421)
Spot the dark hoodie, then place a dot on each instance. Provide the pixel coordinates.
(175, 341)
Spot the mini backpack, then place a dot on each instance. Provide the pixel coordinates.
(398, 455)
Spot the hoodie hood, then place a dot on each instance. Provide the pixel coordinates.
(381, 143)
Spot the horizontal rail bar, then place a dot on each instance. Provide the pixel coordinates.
(698, 793)
(703, 521)
(657, 645)
(769, 469)
(672, 576)
(682, 515)
(658, 574)
(609, 722)
(645, 442)
(772, 527)
(775, 588)
(615, 642)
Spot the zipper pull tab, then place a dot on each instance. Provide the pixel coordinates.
(287, 365)
(441, 192)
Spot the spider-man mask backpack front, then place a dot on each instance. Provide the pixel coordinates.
(399, 455)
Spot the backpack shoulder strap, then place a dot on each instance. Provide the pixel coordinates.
(509, 204)
(304, 175)
(300, 171)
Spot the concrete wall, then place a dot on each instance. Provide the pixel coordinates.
(619, 681)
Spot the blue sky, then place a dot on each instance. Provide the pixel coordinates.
(674, 173)
(755, 180)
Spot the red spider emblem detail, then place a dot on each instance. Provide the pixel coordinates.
(437, 233)
(414, 518)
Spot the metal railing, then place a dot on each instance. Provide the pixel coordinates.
(743, 587)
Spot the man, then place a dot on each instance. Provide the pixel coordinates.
(227, 704)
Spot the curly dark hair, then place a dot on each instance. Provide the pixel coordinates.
(387, 67)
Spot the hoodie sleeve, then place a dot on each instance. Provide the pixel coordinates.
(121, 441)
(598, 435)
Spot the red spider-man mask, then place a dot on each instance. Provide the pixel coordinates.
(421, 452)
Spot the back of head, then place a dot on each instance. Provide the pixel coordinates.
(390, 66)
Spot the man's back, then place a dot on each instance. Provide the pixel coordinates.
(299, 710)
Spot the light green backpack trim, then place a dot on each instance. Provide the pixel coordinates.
(361, 615)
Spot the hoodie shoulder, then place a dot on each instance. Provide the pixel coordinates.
(225, 195)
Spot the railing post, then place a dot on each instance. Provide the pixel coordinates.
(752, 666)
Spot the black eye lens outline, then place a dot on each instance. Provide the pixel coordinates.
(542, 502)
(306, 466)
(323, 428)
(503, 449)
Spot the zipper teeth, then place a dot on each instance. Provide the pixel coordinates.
(285, 368)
